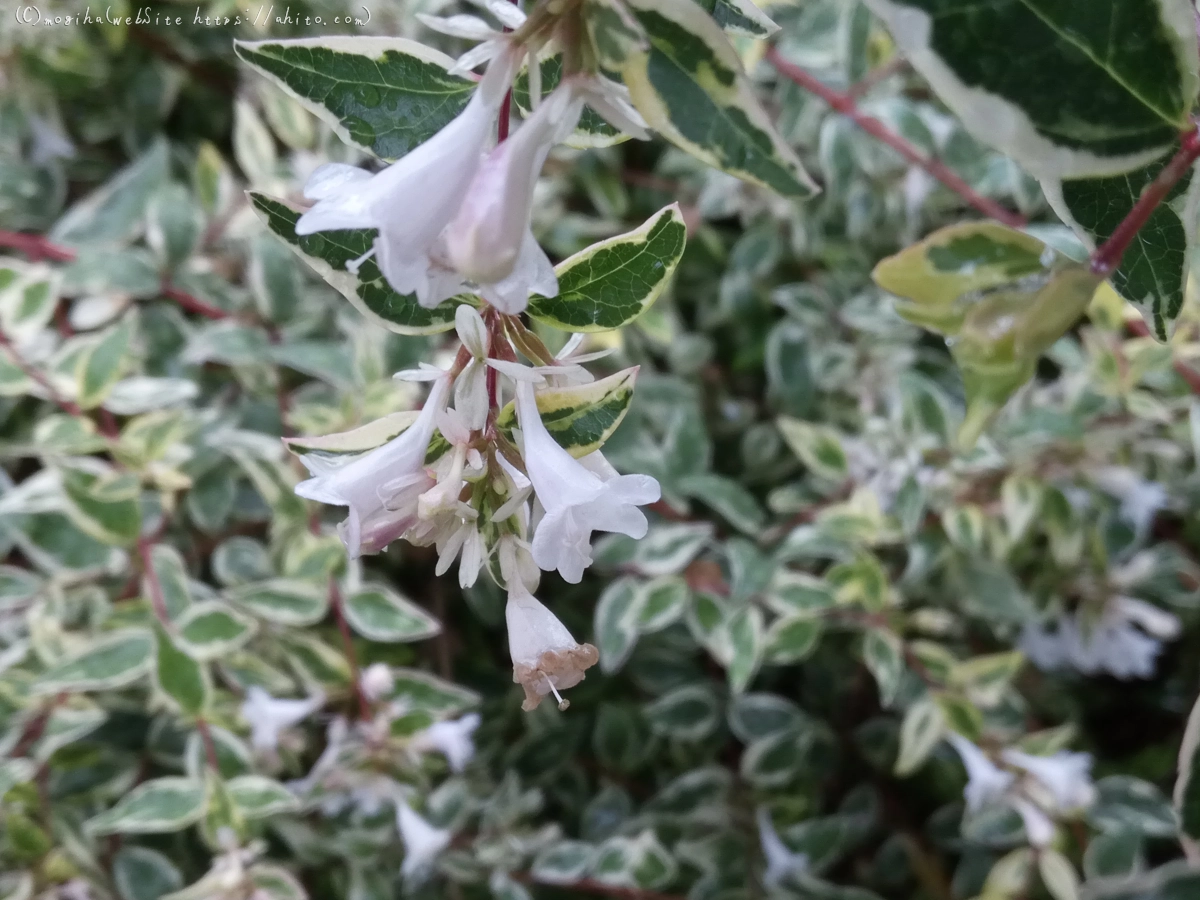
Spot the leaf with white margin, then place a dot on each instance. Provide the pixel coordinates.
(1084, 100)
(563, 863)
(1186, 795)
(257, 796)
(744, 18)
(103, 505)
(115, 660)
(923, 727)
(690, 87)
(144, 874)
(384, 94)
(634, 862)
(418, 690)
(14, 772)
(211, 629)
(580, 417)
(331, 451)
(616, 622)
(328, 252)
(380, 614)
(612, 282)
(591, 132)
(1154, 268)
(689, 713)
(285, 601)
(161, 805)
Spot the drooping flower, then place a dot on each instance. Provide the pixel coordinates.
(268, 716)
(1067, 776)
(546, 658)
(422, 841)
(1039, 827)
(985, 780)
(1125, 642)
(380, 488)
(578, 496)
(470, 387)
(781, 859)
(411, 201)
(489, 240)
(452, 739)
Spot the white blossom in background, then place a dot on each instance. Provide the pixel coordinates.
(578, 496)
(377, 681)
(268, 716)
(422, 841)
(781, 860)
(452, 739)
(380, 488)
(1039, 788)
(1124, 642)
(546, 658)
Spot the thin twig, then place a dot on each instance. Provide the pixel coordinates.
(335, 603)
(70, 407)
(1108, 255)
(145, 546)
(844, 104)
(210, 746)
(37, 247)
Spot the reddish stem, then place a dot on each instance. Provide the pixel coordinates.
(36, 247)
(844, 103)
(502, 122)
(144, 546)
(70, 407)
(210, 747)
(1108, 255)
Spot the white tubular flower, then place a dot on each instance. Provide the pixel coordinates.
(269, 716)
(1067, 776)
(546, 658)
(1039, 827)
(451, 739)
(985, 780)
(579, 497)
(377, 681)
(489, 240)
(380, 488)
(470, 388)
(781, 860)
(411, 201)
(422, 842)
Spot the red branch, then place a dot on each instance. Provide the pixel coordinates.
(335, 601)
(37, 247)
(1108, 255)
(70, 407)
(844, 104)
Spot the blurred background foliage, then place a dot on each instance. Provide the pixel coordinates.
(829, 585)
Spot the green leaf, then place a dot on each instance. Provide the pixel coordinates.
(1153, 270)
(174, 225)
(1058, 875)
(14, 772)
(580, 417)
(211, 630)
(181, 678)
(691, 88)
(161, 805)
(1125, 802)
(100, 365)
(114, 661)
(923, 727)
(144, 874)
(113, 214)
(1087, 99)
(171, 573)
(614, 33)
(417, 690)
(666, 599)
(745, 635)
(744, 18)
(728, 498)
(368, 291)
(791, 639)
(285, 601)
(616, 622)
(257, 797)
(883, 655)
(1187, 785)
(690, 713)
(564, 862)
(1001, 296)
(104, 506)
(386, 95)
(817, 446)
(612, 282)
(383, 615)
(634, 862)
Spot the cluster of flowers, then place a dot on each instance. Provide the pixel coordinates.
(453, 216)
